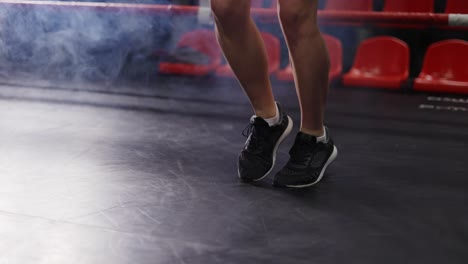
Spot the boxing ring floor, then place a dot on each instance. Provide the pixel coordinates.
(148, 175)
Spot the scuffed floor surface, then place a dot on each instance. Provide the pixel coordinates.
(92, 177)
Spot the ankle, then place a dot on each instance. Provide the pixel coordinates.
(320, 135)
(275, 119)
(267, 113)
(313, 132)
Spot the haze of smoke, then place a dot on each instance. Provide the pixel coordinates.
(76, 45)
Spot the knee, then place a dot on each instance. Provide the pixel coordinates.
(293, 14)
(230, 10)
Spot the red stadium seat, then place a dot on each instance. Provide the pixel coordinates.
(422, 6)
(456, 7)
(381, 62)
(445, 68)
(272, 45)
(349, 5)
(335, 51)
(202, 41)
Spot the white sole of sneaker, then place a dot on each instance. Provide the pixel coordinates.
(286, 132)
(322, 173)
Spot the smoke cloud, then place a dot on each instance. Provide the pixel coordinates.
(75, 45)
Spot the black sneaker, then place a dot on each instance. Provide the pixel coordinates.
(258, 156)
(308, 162)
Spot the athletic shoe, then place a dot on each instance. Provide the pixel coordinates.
(258, 156)
(308, 161)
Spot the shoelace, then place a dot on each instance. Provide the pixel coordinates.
(248, 129)
(255, 142)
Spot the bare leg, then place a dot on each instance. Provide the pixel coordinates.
(244, 50)
(309, 57)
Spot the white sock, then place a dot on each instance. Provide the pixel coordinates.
(323, 138)
(274, 120)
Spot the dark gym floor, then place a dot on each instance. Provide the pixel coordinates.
(148, 175)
